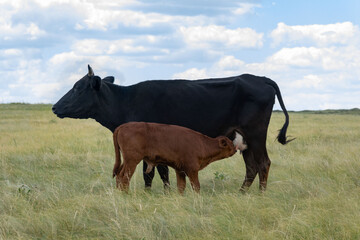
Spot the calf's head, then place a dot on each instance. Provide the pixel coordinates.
(227, 148)
(83, 99)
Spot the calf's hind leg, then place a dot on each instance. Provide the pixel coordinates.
(181, 181)
(123, 179)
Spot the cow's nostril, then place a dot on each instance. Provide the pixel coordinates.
(53, 109)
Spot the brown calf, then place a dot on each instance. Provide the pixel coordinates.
(181, 148)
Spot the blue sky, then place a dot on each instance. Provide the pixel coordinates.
(310, 48)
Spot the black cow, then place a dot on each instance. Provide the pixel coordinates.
(213, 107)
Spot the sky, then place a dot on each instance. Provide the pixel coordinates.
(310, 48)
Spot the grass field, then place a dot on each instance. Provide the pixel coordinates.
(56, 183)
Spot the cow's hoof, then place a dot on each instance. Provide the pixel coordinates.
(167, 187)
(244, 190)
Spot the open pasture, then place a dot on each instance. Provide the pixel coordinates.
(56, 183)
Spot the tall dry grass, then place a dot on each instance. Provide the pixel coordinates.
(55, 183)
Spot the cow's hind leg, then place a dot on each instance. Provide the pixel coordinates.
(148, 177)
(164, 174)
(264, 167)
(257, 161)
(251, 169)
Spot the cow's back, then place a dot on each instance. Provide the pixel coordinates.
(218, 102)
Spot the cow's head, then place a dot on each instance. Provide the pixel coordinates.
(227, 148)
(83, 99)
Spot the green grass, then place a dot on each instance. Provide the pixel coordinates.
(55, 183)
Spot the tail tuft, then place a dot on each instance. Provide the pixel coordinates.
(282, 136)
(282, 132)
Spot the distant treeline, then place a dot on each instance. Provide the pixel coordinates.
(25, 106)
(353, 111)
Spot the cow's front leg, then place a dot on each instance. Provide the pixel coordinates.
(164, 174)
(148, 177)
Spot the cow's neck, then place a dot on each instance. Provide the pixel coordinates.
(111, 107)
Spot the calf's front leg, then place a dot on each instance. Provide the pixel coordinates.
(194, 180)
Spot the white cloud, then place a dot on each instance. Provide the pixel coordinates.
(299, 56)
(110, 16)
(71, 62)
(245, 8)
(319, 35)
(230, 63)
(98, 4)
(29, 31)
(33, 31)
(64, 58)
(328, 59)
(68, 67)
(104, 19)
(214, 35)
(98, 47)
(11, 52)
(40, 92)
(192, 74)
(309, 81)
(14, 31)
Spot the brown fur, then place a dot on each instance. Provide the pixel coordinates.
(183, 149)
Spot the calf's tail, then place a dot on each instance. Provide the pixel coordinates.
(117, 165)
(282, 132)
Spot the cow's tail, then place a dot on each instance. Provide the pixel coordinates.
(117, 165)
(282, 132)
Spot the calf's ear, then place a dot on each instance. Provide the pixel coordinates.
(222, 142)
(95, 83)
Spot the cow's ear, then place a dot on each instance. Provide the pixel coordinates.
(109, 79)
(95, 83)
(222, 142)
